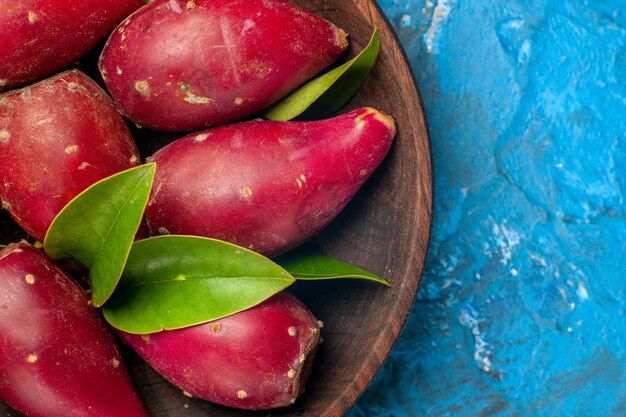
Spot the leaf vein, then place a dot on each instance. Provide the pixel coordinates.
(201, 278)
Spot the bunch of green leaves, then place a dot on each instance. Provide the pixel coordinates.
(169, 282)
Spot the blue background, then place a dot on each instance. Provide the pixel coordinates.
(522, 305)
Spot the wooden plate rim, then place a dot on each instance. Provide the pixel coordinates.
(403, 307)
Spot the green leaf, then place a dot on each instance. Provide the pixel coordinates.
(331, 91)
(98, 227)
(171, 282)
(309, 266)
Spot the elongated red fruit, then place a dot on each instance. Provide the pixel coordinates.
(181, 65)
(57, 138)
(266, 185)
(257, 359)
(38, 37)
(57, 359)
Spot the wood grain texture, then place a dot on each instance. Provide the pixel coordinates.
(386, 229)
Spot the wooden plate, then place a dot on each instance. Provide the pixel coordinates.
(385, 229)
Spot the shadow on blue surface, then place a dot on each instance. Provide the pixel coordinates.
(522, 310)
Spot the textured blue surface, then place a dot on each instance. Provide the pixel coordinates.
(522, 310)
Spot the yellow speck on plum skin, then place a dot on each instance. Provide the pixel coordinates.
(5, 135)
(216, 327)
(142, 87)
(246, 192)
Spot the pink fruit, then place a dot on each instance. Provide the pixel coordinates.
(38, 37)
(266, 185)
(57, 138)
(256, 359)
(181, 65)
(57, 359)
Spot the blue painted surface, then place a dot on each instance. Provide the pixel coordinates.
(522, 310)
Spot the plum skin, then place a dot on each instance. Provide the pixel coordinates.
(266, 185)
(57, 358)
